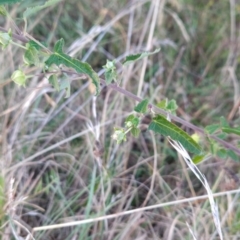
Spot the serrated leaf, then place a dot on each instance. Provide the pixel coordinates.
(231, 130)
(135, 132)
(110, 72)
(132, 58)
(197, 159)
(54, 82)
(9, 1)
(163, 126)
(65, 84)
(232, 155)
(58, 58)
(131, 121)
(142, 106)
(224, 122)
(210, 129)
(32, 10)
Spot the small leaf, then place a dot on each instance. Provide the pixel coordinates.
(19, 77)
(65, 84)
(172, 106)
(231, 130)
(110, 73)
(163, 104)
(163, 126)
(54, 82)
(32, 10)
(232, 155)
(9, 1)
(197, 159)
(222, 153)
(30, 56)
(34, 44)
(119, 135)
(131, 121)
(58, 58)
(135, 132)
(210, 129)
(132, 58)
(142, 106)
(3, 10)
(224, 122)
(5, 39)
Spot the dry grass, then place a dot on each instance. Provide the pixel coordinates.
(59, 164)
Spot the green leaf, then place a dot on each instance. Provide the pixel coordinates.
(163, 126)
(222, 153)
(132, 58)
(119, 135)
(231, 130)
(232, 155)
(163, 104)
(135, 132)
(210, 129)
(9, 1)
(30, 56)
(58, 58)
(197, 159)
(19, 77)
(131, 121)
(34, 44)
(5, 38)
(32, 10)
(54, 82)
(3, 10)
(172, 106)
(224, 122)
(65, 84)
(142, 106)
(110, 73)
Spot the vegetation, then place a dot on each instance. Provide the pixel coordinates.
(119, 120)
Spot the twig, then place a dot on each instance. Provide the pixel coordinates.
(159, 110)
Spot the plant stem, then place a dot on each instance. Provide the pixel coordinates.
(138, 99)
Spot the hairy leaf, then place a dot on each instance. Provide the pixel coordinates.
(33, 10)
(132, 58)
(58, 58)
(142, 106)
(163, 126)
